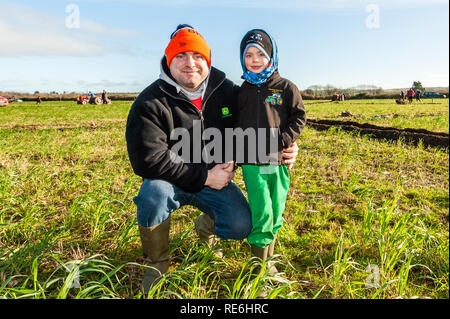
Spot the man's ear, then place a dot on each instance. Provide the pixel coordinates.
(166, 69)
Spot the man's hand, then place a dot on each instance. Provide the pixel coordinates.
(290, 154)
(220, 175)
(229, 167)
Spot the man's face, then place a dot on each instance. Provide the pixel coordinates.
(189, 69)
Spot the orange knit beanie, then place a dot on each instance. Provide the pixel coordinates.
(185, 40)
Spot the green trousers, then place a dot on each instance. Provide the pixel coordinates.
(267, 187)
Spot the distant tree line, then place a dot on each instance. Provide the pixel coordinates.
(362, 91)
(323, 92)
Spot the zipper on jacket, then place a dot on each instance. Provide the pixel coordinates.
(199, 112)
(215, 88)
(203, 130)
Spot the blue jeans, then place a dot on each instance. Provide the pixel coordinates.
(229, 209)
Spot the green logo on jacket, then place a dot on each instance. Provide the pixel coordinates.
(225, 112)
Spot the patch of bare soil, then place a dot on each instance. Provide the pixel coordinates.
(409, 135)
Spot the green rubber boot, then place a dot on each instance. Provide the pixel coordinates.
(155, 245)
(204, 227)
(261, 253)
(272, 270)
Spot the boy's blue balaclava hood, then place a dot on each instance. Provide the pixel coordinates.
(264, 42)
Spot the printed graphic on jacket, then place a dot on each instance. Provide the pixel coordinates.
(274, 99)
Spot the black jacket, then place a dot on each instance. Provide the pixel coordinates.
(276, 103)
(159, 110)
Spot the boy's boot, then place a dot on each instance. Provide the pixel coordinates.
(261, 253)
(204, 227)
(272, 270)
(155, 245)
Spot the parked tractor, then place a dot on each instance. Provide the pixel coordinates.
(85, 99)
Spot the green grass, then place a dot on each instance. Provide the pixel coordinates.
(428, 114)
(356, 206)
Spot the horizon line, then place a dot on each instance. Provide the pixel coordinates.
(137, 92)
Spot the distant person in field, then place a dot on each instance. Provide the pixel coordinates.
(92, 97)
(402, 95)
(191, 95)
(38, 100)
(266, 100)
(410, 95)
(104, 97)
(418, 95)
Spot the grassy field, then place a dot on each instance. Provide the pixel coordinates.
(430, 114)
(364, 218)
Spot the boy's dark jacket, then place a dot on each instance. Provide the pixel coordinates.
(158, 110)
(276, 103)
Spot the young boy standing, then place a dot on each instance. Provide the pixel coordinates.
(266, 101)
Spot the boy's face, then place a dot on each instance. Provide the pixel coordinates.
(189, 69)
(255, 60)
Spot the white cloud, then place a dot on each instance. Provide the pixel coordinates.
(20, 42)
(25, 31)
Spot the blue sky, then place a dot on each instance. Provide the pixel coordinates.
(119, 44)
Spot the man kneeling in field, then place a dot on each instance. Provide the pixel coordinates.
(189, 90)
